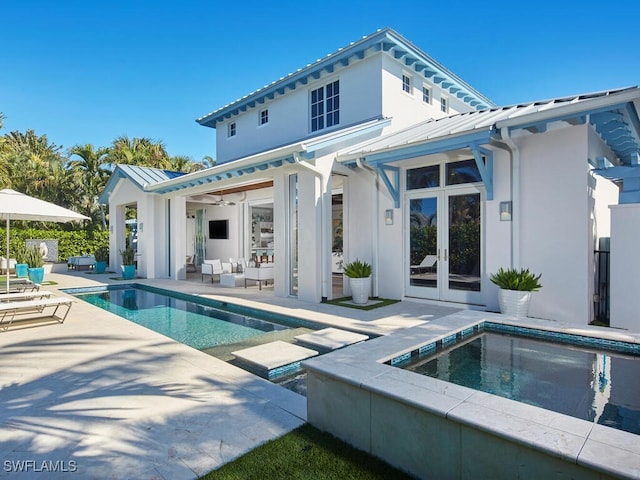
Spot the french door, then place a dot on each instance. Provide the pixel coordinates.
(444, 254)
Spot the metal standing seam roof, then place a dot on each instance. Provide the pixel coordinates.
(158, 181)
(142, 177)
(387, 40)
(620, 131)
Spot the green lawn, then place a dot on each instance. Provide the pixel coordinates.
(306, 453)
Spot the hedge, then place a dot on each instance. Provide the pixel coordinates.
(70, 242)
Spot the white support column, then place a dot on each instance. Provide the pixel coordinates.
(116, 236)
(625, 265)
(281, 228)
(146, 241)
(177, 227)
(310, 244)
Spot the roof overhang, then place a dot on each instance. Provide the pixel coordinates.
(231, 170)
(278, 157)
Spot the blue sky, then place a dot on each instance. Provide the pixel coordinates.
(89, 71)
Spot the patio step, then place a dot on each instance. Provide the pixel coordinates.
(330, 338)
(274, 358)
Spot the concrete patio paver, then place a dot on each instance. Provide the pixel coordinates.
(117, 400)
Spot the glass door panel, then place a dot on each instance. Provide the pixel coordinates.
(463, 247)
(423, 247)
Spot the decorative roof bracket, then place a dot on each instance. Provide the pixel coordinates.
(392, 184)
(486, 170)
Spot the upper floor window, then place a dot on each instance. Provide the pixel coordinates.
(426, 95)
(444, 105)
(231, 129)
(325, 106)
(264, 117)
(406, 83)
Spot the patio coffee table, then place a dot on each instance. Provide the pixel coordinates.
(81, 261)
(231, 279)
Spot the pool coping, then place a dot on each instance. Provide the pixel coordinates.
(607, 450)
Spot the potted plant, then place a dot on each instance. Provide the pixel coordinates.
(128, 263)
(102, 258)
(36, 265)
(359, 274)
(516, 286)
(19, 251)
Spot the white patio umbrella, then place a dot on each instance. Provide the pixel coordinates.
(18, 206)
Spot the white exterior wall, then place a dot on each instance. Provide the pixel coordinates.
(289, 114)
(359, 227)
(125, 193)
(389, 243)
(625, 264)
(407, 109)
(498, 234)
(223, 249)
(555, 238)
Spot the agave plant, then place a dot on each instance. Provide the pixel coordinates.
(522, 280)
(357, 269)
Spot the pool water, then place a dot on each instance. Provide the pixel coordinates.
(197, 325)
(588, 383)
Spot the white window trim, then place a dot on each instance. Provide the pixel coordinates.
(230, 126)
(260, 124)
(430, 90)
(324, 85)
(444, 102)
(411, 81)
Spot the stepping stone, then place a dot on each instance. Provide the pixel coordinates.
(274, 354)
(331, 338)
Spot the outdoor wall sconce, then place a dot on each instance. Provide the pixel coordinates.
(505, 211)
(388, 217)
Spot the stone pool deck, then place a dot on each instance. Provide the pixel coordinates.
(101, 397)
(437, 429)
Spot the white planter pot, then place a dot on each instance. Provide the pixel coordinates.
(514, 302)
(360, 289)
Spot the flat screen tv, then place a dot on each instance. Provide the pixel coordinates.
(219, 229)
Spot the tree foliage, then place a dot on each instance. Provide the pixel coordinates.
(31, 164)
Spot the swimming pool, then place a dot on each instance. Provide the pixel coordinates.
(444, 430)
(198, 322)
(594, 384)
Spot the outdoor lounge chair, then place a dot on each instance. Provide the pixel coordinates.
(19, 285)
(9, 310)
(3, 265)
(264, 273)
(427, 263)
(211, 267)
(12, 297)
(191, 263)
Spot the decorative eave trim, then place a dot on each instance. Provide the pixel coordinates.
(385, 40)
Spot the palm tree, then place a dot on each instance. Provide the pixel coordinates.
(29, 160)
(139, 151)
(91, 168)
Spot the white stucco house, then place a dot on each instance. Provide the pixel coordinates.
(379, 152)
